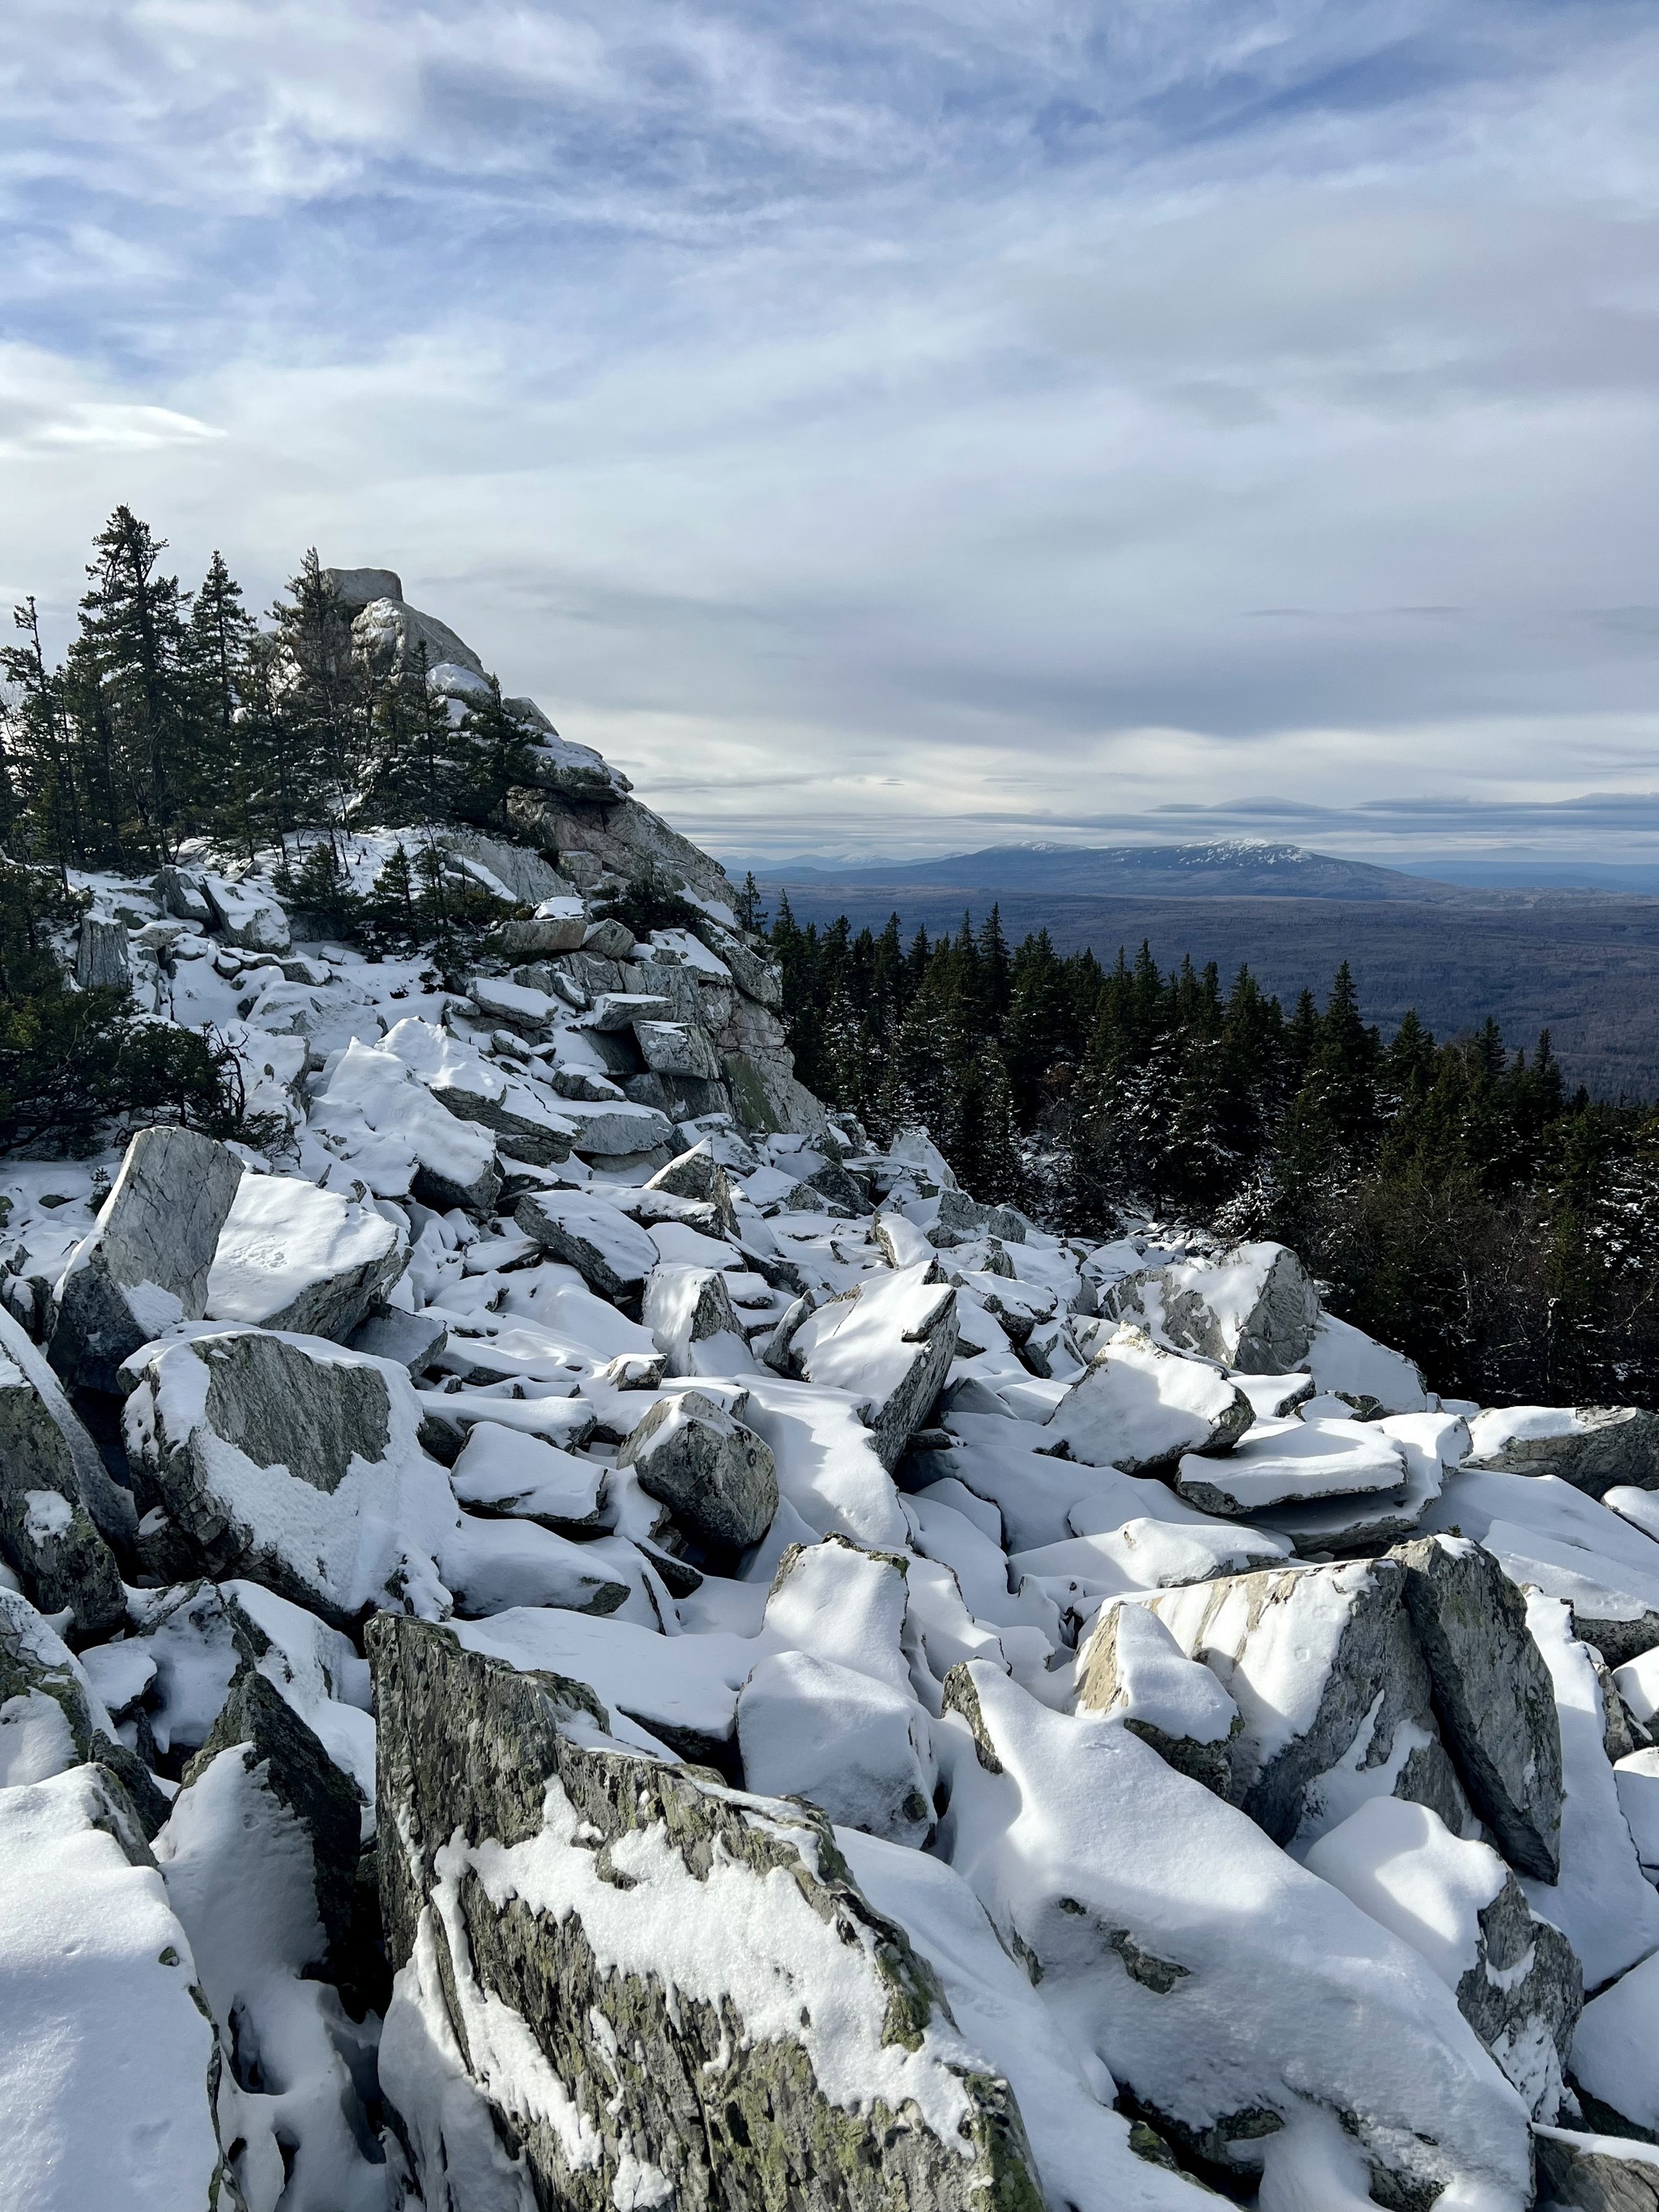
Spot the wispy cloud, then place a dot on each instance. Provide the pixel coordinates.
(873, 422)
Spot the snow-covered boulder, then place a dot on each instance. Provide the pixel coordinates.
(612, 1253)
(379, 1117)
(664, 1990)
(1579, 2173)
(145, 1266)
(475, 1089)
(1452, 1900)
(502, 1471)
(677, 1048)
(1429, 1444)
(1331, 1687)
(247, 913)
(48, 1469)
(1347, 1362)
(260, 1859)
(297, 1464)
(717, 1478)
(693, 1323)
(1616, 2054)
(1294, 1462)
(1493, 1694)
(1592, 1447)
(107, 2064)
(1131, 1669)
(858, 1748)
(1137, 1406)
(1253, 2013)
(1253, 1308)
(889, 1341)
(291, 1256)
(51, 1717)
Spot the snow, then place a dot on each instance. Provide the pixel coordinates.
(1638, 1685)
(104, 2061)
(1344, 1358)
(506, 1472)
(1137, 1406)
(1400, 1863)
(869, 1345)
(834, 1601)
(1615, 2052)
(1155, 1682)
(381, 1118)
(282, 1238)
(858, 1747)
(1636, 1779)
(1601, 1904)
(1282, 1462)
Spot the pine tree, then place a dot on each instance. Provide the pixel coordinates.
(217, 649)
(133, 637)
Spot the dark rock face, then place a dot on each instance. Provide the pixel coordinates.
(1491, 1693)
(45, 1531)
(640, 2087)
(716, 1477)
(1523, 1996)
(145, 1266)
(283, 1409)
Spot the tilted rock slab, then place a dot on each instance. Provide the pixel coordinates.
(1227, 1990)
(295, 1257)
(1137, 1406)
(891, 1341)
(1253, 1308)
(1493, 1694)
(1332, 1688)
(716, 1477)
(56, 1496)
(145, 1265)
(655, 1989)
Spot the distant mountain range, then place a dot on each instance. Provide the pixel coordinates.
(1232, 868)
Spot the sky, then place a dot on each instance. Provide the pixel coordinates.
(898, 428)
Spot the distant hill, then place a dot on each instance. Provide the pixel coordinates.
(1583, 964)
(1231, 868)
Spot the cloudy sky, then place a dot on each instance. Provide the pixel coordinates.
(900, 425)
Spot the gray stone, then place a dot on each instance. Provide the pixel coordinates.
(1137, 1406)
(890, 1340)
(540, 936)
(698, 1174)
(675, 1048)
(1253, 1308)
(529, 877)
(1522, 1996)
(1363, 1692)
(1611, 1445)
(1132, 1666)
(755, 975)
(101, 957)
(183, 896)
(609, 938)
(716, 1477)
(612, 1254)
(357, 588)
(664, 2077)
(626, 839)
(684, 1307)
(387, 635)
(615, 1011)
(45, 1531)
(413, 1340)
(1492, 1695)
(38, 1674)
(1594, 2174)
(145, 1266)
(300, 1775)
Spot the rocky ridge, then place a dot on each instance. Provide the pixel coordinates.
(575, 1632)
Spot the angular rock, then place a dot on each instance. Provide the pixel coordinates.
(109, 2072)
(608, 939)
(615, 1011)
(1594, 1448)
(1594, 2173)
(1131, 1669)
(247, 914)
(677, 1048)
(689, 1312)
(858, 1748)
(1491, 1693)
(381, 1120)
(1137, 1406)
(1253, 1308)
(259, 1723)
(1429, 1444)
(558, 926)
(1235, 1999)
(291, 1256)
(183, 896)
(413, 1341)
(51, 1717)
(1332, 1688)
(1297, 1462)
(612, 1254)
(616, 1128)
(889, 1340)
(501, 1471)
(298, 1464)
(716, 1477)
(101, 957)
(1615, 2056)
(675, 1995)
(145, 1266)
(516, 1005)
(57, 1502)
(475, 1089)
(1515, 1978)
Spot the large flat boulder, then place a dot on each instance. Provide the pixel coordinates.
(146, 1264)
(1137, 1406)
(474, 1089)
(711, 2011)
(291, 1256)
(612, 1254)
(1592, 1447)
(49, 1476)
(1298, 1462)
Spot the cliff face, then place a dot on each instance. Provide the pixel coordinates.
(641, 1649)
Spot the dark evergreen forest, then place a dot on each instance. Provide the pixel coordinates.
(1458, 1200)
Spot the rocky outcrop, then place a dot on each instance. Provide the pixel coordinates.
(145, 1266)
(891, 1341)
(548, 1902)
